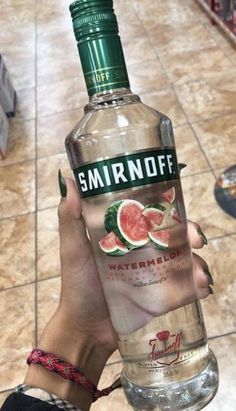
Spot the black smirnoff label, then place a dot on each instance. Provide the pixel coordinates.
(127, 171)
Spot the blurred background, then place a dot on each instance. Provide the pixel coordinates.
(181, 64)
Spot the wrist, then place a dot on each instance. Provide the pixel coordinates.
(70, 344)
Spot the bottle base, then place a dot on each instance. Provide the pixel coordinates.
(192, 395)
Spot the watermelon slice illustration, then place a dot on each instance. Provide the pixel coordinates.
(160, 238)
(175, 215)
(126, 220)
(111, 245)
(155, 213)
(169, 195)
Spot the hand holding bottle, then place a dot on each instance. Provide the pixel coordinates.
(82, 299)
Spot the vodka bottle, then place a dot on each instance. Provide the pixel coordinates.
(123, 156)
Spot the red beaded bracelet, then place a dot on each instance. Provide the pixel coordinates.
(66, 370)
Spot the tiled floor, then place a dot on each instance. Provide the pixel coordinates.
(179, 64)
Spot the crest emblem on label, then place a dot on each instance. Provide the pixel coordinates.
(165, 348)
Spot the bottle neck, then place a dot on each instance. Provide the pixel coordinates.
(103, 64)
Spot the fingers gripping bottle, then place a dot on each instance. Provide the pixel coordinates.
(123, 156)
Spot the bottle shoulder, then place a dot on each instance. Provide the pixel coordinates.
(117, 119)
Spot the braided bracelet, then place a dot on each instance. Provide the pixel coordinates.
(66, 370)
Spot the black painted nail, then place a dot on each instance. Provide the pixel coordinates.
(202, 235)
(209, 277)
(182, 166)
(62, 184)
(210, 290)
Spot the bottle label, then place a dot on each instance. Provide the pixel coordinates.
(134, 212)
(127, 171)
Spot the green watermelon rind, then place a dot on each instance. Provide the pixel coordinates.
(115, 251)
(110, 219)
(111, 224)
(157, 244)
(124, 239)
(158, 207)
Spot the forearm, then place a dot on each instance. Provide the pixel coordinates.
(63, 340)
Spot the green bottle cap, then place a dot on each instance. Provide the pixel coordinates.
(92, 17)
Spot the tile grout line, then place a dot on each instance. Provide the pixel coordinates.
(36, 181)
(210, 239)
(29, 283)
(222, 335)
(218, 43)
(174, 91)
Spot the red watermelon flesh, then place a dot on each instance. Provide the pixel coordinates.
(133, 225)
(154, 215)
(110, 241)
(175, 215)
(160, 238)
(169, 195)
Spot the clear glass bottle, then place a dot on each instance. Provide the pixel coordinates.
(123, 156)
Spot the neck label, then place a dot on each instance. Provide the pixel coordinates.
(103, 64)
(123, 172)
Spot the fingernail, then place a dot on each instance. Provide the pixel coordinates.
(210, 290)
(182, 166)
(62, 184)
(202, 235)
(209, 277)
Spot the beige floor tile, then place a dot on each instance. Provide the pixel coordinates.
(219, 308)
(218, 139)
(48, 244)
(130, 29)
(17, 185)
(115, 357)
(175, 12)
(16, 33)
(18, 12)
(166, 102)
(222, 40)
(21, 144)
(53, 43)
(201, 206)
(132, 50)
(188, 151)
(147, 77)
(20, 52)
(184, 67)
(51, 9)
(225, 350)
(3, 396)
(52, 69)
(169, 39)
(116, 400)
(48, 189)
(53, 21)
(52, 131)
(23, 75)
(17, 245)
(17, 334)
(60, 96)
(206, 99)
(25, 106)
(48, 299)
(129, 24)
